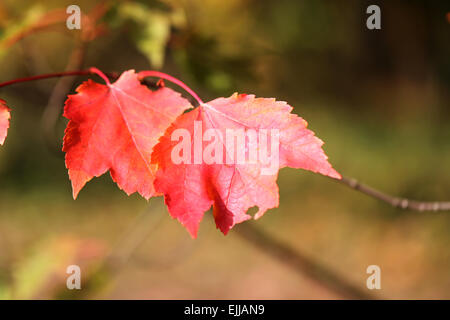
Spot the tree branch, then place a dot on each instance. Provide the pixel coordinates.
(50, 75)
(350, 182)
(401, 203)
(52, 111)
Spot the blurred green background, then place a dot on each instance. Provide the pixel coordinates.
(379, 99)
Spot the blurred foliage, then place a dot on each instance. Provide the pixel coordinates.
(150, 29)
(42, 272)
(379, 99)
(9, 30)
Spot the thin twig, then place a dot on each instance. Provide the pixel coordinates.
(52, 111)
(401, 203)
(112, 75)
(139, 231)
(102, 276)
(47, 76)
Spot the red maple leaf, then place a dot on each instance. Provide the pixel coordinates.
(192, 184)
(4, 120)
(115, 127)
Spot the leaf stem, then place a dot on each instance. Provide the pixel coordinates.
(96, 71)
(162, 75)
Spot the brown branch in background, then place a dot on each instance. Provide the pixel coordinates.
(305, 266)
(135, 235)
(50, 19)
(103, 275)
(52, 111)
(36, 63)
(56, 19)
(139, 231)
(401, 203)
